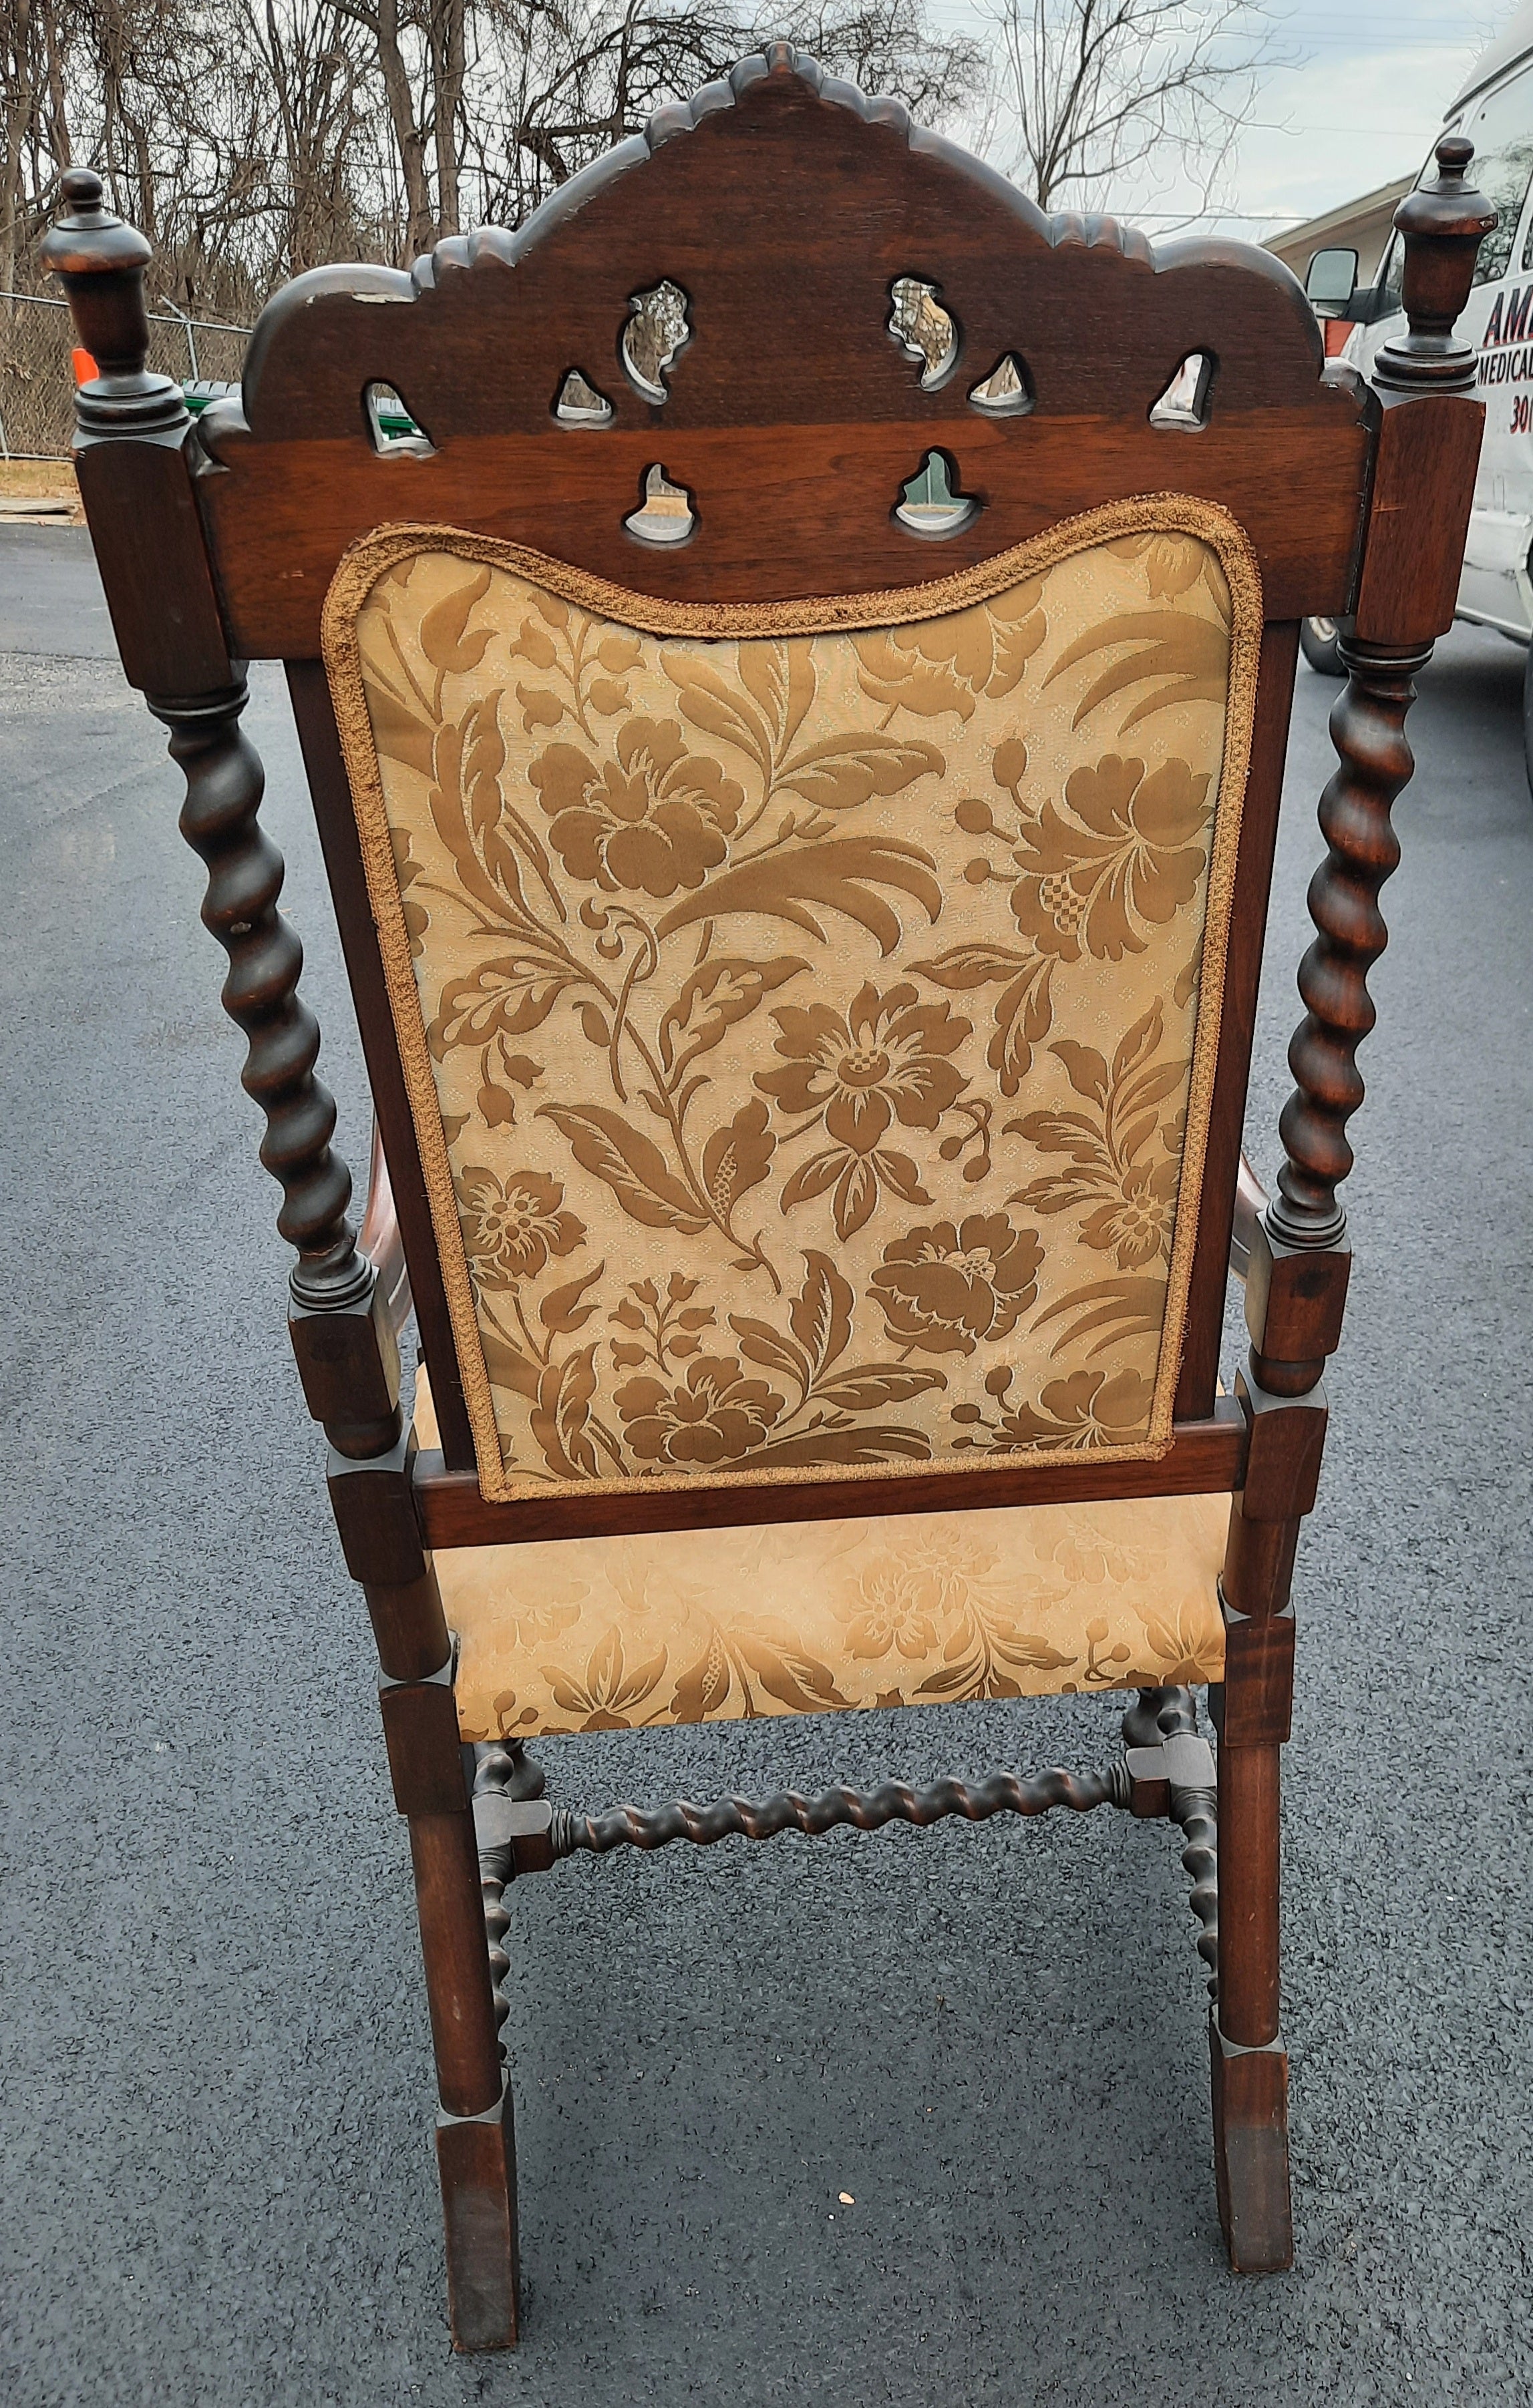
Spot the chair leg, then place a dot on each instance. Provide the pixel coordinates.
(476, 2161)
(476, 2148)
(1248, 2065)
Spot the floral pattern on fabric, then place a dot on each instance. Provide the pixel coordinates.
(799, 1618)
(804, 1028)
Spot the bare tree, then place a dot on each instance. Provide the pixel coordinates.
(1096, 95)
(313, 60)
(591, 71)
(252, 138)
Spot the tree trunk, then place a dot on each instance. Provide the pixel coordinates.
(20, 103)
(449, 67)
(409, 139)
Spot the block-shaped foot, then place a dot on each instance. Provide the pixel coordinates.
(476, 2157)
(1251, 2154)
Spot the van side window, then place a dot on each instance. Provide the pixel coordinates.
(1391, 277)
(1503, 167)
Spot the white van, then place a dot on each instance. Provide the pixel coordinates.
(1496, 110)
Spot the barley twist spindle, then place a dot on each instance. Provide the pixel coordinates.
(1367, 729)
(224, 784)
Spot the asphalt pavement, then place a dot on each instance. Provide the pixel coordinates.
(216, 2178)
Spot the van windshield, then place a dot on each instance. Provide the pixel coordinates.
(1502, 129)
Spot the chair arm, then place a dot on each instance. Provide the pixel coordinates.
(381, 1240)
(1249, 1204)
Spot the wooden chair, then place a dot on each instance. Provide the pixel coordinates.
(793, 651)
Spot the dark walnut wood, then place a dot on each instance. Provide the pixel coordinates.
(895, 1802)
(1192, 1804)
(1205, 1457)
(1251, 2154)
(225, 782)
(132, 429)
(785, 206)
(457, 1984)
(1428, 448)
(1445, 224)
(476, 2158)
(1367, 729)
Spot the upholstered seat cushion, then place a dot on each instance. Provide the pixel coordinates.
(802, 1617)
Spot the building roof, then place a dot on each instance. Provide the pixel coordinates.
(1346, 213)
(1349, 225)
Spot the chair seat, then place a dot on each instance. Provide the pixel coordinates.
(805, 1618)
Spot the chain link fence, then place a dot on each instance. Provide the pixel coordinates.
(37, 379)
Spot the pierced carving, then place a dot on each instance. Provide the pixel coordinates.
(393, 432)
(923, 328)
(657, 331)
(666, 514)
(581, 404)
(1006, 392)
(930, 505)
(1367, 729)
(224, 784)
(1183, 407)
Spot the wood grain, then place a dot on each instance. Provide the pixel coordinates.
(1248, 1891)
(280, 520)
(1374, 764)
(785, 206)
(1258, 1709)
(1251, 2156)
(1422, 490)
(1206, 1457)
(477, 2163)
(458, 1973)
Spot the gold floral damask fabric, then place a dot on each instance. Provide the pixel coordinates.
(805, 1618)
(809, 1010)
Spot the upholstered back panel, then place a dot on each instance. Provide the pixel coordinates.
(809, 1010)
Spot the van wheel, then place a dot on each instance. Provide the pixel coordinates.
(1528, 717)
(1317, 640)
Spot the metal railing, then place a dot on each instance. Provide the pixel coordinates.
(36, 376)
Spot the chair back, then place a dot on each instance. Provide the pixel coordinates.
(809, 1010)
(792, 650)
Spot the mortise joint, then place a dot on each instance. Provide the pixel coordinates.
(420, 1732)
(348, 1359)
(1287, 1439)
(374, 1504)
(1296, 1297)
(517, 1836)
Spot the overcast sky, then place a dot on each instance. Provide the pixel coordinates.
(1364, 104)
(1358, 106)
